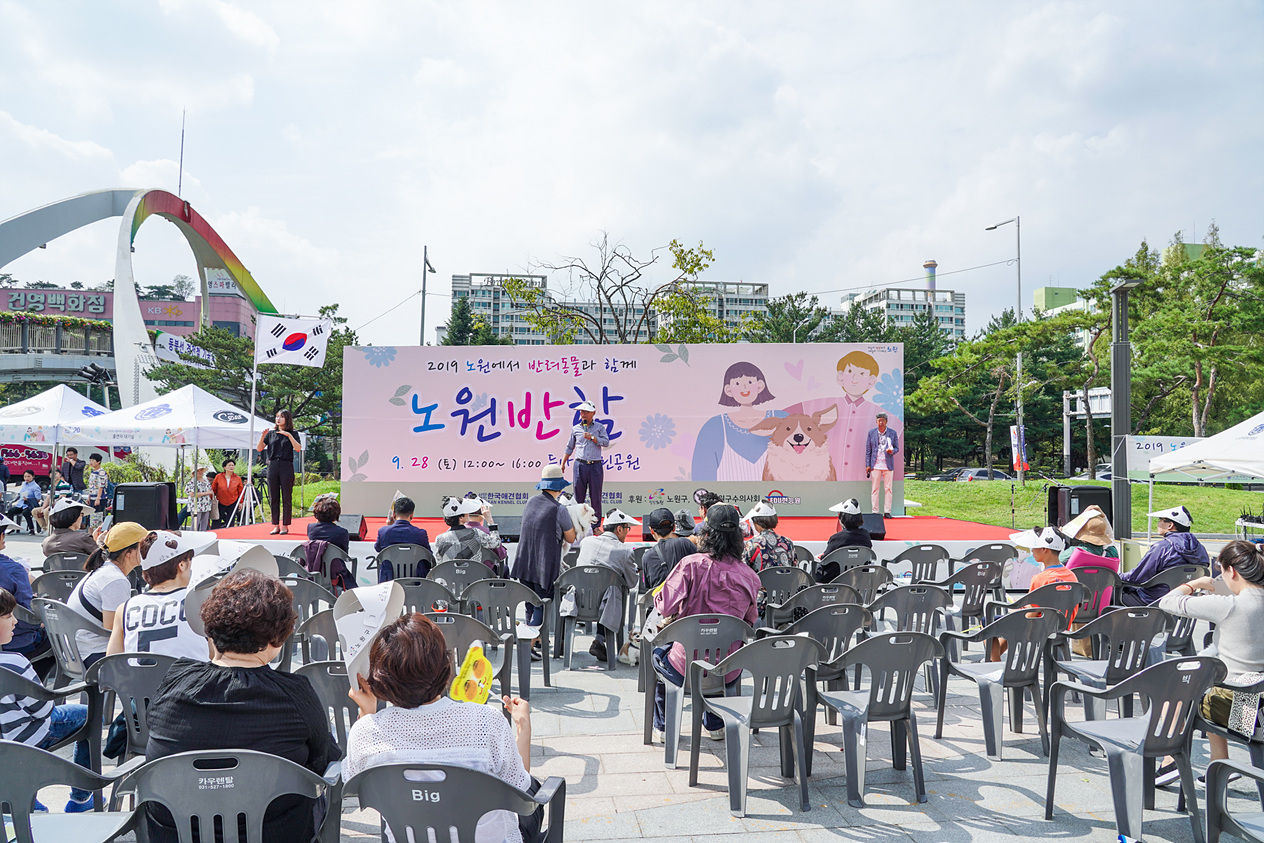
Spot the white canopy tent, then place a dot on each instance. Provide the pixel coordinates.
(45, 420)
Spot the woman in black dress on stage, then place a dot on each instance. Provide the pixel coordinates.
(279, 445)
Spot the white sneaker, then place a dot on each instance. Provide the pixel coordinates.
(715, 734)
(657, 735)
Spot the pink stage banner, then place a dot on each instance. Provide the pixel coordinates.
(488, 418)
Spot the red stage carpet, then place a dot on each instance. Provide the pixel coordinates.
(804, 529)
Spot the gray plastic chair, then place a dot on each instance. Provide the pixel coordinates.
(423, 595)
(1105, 585)
(590, 583)
(1219, 819)
(809, 600)
(248, 783)
(781, 582)
(134, 679)
(60, 624)
(332, 552)
(1026, 633)
(329, 680)
(1123, 637)
(1253, 747)
(26, 771)
(844, 558)
(917, 608)
(453, 800)
(57, 585)
(893, 660)
(289, 566)
(706, 637)
(318, 638)
(460, 631)
(868, 580)
(1174, 576)
(456, 575)
(975, 580)
(835, 628)
(1001, 552)
(408, 560)
(66, 561)
(1065, 597)
(1170, 692)
(310, 597)
(776, 666)
(924, 559)
(803, 555)
(499, 601)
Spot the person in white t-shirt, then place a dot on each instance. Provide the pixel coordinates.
(881, 447)
(154, 622)
(106, 587)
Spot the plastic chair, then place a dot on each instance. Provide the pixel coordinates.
(499, 601)
(456, 575)
(408, 560)
(60, 625)
(590, 583)
(1174, 576)
(776, 666)
(917, 608)
(288, 566)
(57, 585)
(1124, 637)
(329, 680)
(1026, 633)
(975, 580)
(453, 800)
(808, 600)
(460, 631)
(706, 637)
(893, 660)
(1105, 585)
(134, 679)
(780, 582)
(247, 783)
(835, 628)
(804, 555)
(26, 771)
(1065, 597)
(868, 580)
(65, 561)
(999, 552)
(844, 558)
(1171, 692)
(423, 595)
(924, 559)
(1219, 819)
(318, 638)
(1254, 747)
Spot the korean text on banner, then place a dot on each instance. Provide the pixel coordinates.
(292, 340)
(359, 615)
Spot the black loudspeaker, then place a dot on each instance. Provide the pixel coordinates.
(876, 526)
(1066, 502)
(355, 525)
(152, 505)
(509, 527)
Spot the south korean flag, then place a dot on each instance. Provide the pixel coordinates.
(293, 340)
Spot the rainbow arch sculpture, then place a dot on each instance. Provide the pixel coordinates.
(132, 348)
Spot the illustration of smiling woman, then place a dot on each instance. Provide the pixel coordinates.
(725, 448)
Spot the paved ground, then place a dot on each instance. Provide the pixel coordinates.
(588, 729)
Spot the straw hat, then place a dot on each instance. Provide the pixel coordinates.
(1091, 526)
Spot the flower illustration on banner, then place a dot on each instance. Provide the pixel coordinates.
(658, 431)
(480, 401)
(890, 393)
(379, 356)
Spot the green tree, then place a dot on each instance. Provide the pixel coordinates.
(484, 334)
(184, 287)
(460, 323)
(792, 318)
(40, 285)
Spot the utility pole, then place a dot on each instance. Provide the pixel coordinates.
(426, 268)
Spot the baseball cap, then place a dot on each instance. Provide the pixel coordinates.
(124, 535)
(724, 518)
(661, 518)
(1179, 515)
(763, 509)
(850, 506)
(618, 516)
(684, 523)
(167, 545)
(1046, 538)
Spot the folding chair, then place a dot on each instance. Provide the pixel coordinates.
(499, 601)
(26, 771)
(924, 560)
(407, 560)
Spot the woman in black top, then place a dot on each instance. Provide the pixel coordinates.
(851, 533)
(327, 529)
(279, 444)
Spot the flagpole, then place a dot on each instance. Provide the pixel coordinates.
(250, 462)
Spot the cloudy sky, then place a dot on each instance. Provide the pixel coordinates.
(813, 146)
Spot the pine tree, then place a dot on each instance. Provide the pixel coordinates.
(460, 323)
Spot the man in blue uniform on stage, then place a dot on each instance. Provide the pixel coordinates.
(590, 437)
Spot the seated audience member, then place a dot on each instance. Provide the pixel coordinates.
(399, 528)
(410, 668)
(767, 549)
(662, 558)
(1238, 639)
(1045, 545)
(1176, 546)
(68, 533)
(154, 622)
(106, 587)
(714, 580)
(609, 550)
(34, 722)
(227, 488)
(1091, 531)
(468, 538)
(30, 496)
(25, 638)
(327, 529)
(851, 533)
(482, 522)
(236, 701)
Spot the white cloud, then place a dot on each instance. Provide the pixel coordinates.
(41, 140)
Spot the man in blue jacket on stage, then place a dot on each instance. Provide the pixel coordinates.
(880, 450)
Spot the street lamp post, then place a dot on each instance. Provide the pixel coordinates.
(1120, 409)
(426, 268)
(1018, 379)
(794, 332)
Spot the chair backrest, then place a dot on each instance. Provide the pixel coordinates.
(776, 666)
(590, 583)
(1063, 596)
(1001, 552)
(220, 790)
(26, 771)
(457, 574)
(134, 678)
(433, 801)
(288, 566)
(329, 680)
(571, 557)
(893, 659)
(459, 631)
(833, 627)
(1128, 632)
(57, 585)
(66, 561)
(780, 582)
(915, 607)
(1174, 576)
(1180, 633)
(849, 557)
(925, 560)
(976, 580)
(408, 560)
(1026, 633)
(318, 638)
(60, 624)
(827, 594)
(803, 554)
(1105, 585)
(499, 600)
(423, 595)
(332, 552)
(309, 597)
(868, 580)
(705, 637)
(1172, 691)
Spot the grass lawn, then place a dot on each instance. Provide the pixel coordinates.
(304, 493)
(990, 502)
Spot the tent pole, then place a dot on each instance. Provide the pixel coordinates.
(1149, 520)
(250, 463)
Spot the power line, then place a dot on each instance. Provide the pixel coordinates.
(910, 280)
(410, 297)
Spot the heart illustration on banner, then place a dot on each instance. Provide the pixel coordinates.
(795, 371)
(812, 383)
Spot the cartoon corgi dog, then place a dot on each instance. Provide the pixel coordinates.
(797, 447)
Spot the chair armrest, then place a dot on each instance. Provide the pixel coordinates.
(949, 635)
(1254, 688)
(1221, 769)
(765, 631)
(550, 788)
(1059, 689)
(333, 773)
(116, 776)
(698, 667)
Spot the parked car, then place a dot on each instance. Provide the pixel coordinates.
(967, 475)
(949, 475)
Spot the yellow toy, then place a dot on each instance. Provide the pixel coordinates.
(473, 681)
